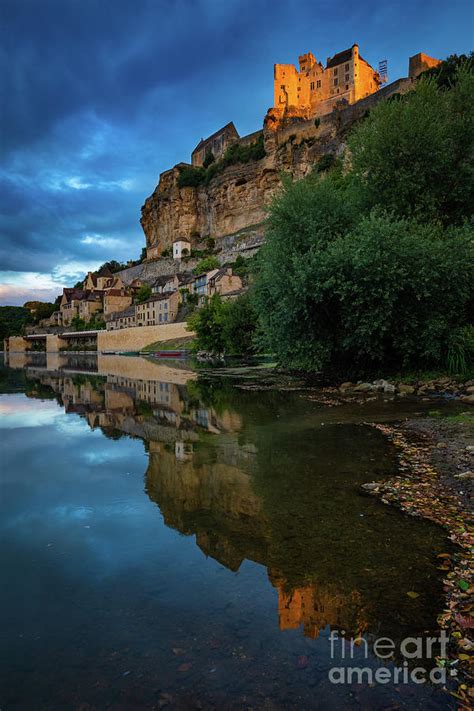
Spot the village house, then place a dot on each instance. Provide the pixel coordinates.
(121, 319)
(181, 248)
(102, 280)
(91, 305)
(224, 282)
(175, 282)
(69, 306)
(217, 281)
(316, 89)
(158, 309)
(116, 300)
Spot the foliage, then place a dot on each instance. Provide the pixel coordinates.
(225, 326)
(13, 319)
(341, 289)
(193, 176)
(208, 159)
(206, 265)
(415, 156)
(94, 324)
(326, 162)
(143, 293)
(446, 73)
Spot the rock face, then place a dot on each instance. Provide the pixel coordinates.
(236, 197)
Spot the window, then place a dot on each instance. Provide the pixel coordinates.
(335, 71)
(318, 84)
(311, 86)
(161, 317)
(347, 67)
(282, 87)
(347, 87)
(347, 77)
(335, 82)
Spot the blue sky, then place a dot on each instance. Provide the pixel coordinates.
(99, 97)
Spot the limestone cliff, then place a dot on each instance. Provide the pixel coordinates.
(235, 199)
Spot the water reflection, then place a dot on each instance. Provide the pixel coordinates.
(268, 478)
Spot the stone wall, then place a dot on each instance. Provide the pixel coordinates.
(134, 339)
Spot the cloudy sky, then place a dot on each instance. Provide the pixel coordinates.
(100, 96)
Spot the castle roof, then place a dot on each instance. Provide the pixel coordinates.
(340, 58)
(204, 141)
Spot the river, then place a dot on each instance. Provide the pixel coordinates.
(170, 541)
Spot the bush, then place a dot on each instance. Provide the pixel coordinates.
(225, 326)
(191, 177)
(385, 292)
(326, 162)
(206, 265)
(143, 293)
(208, 159)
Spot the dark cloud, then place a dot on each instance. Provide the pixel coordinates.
(99, 97)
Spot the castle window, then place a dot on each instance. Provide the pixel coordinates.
(347, 67)
(318, 84)
(335, 71)
(311, 86)
(347, 87)
(347, 77)
(282, 87)
(335, 82)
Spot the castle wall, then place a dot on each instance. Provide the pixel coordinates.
(420, 63)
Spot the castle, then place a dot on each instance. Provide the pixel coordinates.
(316, 89)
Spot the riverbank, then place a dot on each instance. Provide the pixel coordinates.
(436, 458)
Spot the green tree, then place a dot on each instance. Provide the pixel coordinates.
(385, 292)
(415, 155)
(206, 265)
(225, 326)
(208, 325)
(446, 73)
(13, 320)
(143, 293)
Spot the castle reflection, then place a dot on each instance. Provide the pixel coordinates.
(256, 476)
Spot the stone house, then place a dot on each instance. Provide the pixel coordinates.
(181, 248)
(69, 306)
(224, 282)
(116, 300)
(121, 319)
(217, 144)
(158, 309)
(91, 305)
(217, 281)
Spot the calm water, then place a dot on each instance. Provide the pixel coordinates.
(167, 543)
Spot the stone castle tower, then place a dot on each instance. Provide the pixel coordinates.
(314, 90)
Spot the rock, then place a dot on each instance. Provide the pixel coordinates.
(470, 389)
(364, 388)
(383, 386)
(468, 399)
(464, 475)
(406, 389)
(371, 486)
(470, 448)
(344, 387)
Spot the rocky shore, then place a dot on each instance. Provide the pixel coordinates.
(436, 462)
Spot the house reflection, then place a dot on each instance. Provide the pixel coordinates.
(220, 469)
